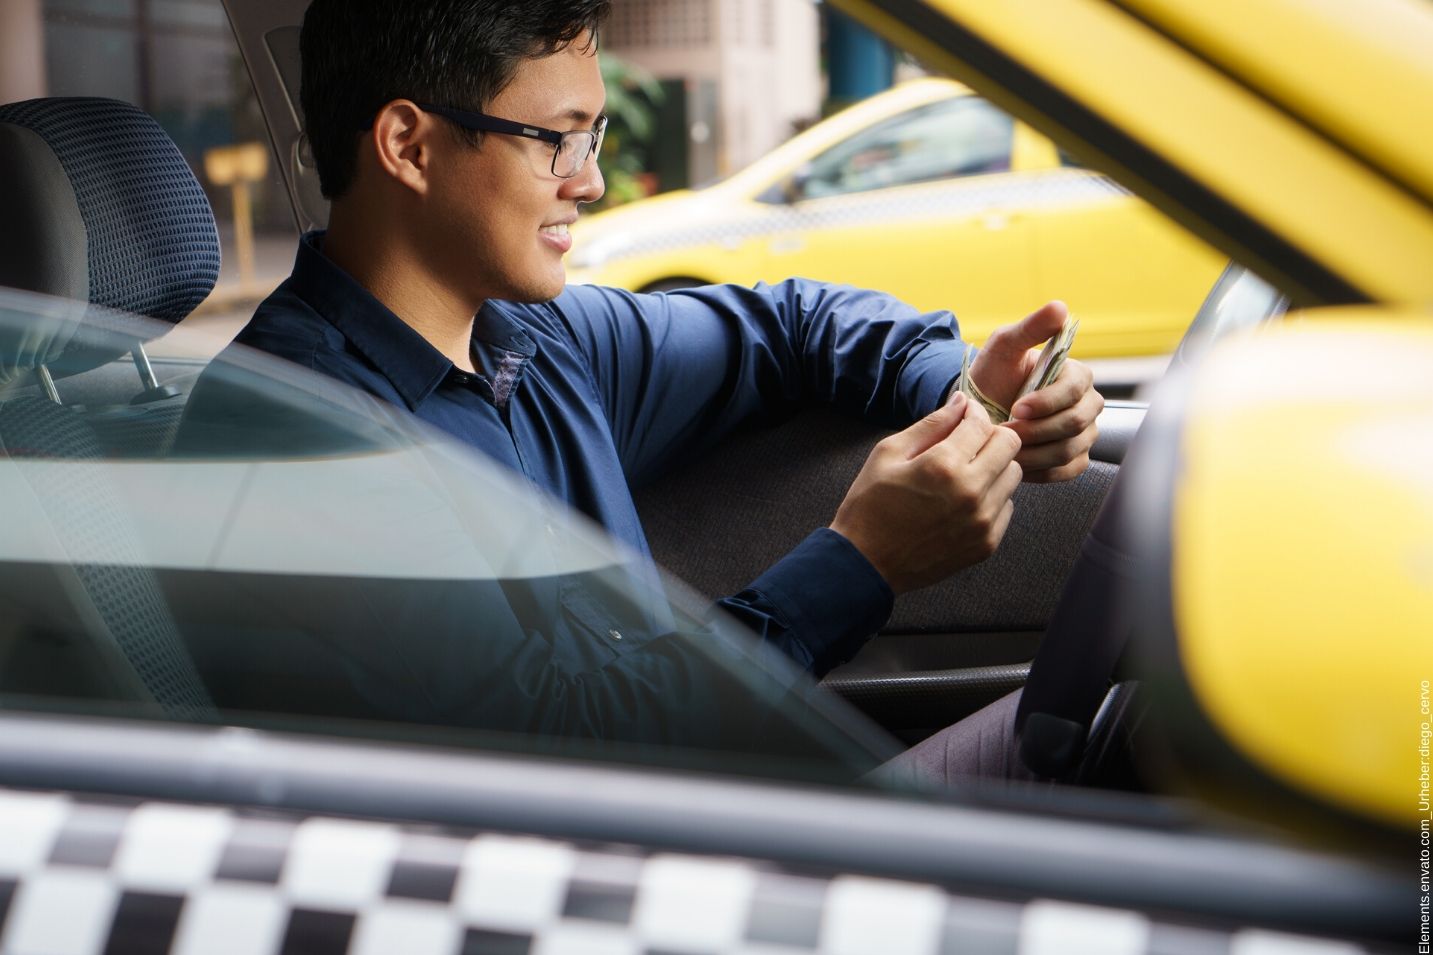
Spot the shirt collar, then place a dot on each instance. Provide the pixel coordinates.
(402, 355)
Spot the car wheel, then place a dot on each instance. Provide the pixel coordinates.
(671, 285)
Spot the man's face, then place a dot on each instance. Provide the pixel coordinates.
(500, 215)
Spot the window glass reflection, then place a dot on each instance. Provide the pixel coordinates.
(311, 558)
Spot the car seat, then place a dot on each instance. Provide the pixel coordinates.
(104, 217)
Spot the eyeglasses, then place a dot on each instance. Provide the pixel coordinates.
(574, 147)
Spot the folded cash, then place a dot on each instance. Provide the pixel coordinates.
(1047, 369)
(999, 414)
(1051, 360)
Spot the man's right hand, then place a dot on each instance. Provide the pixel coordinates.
(934, 498)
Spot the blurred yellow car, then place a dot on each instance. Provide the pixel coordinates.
(931, 193)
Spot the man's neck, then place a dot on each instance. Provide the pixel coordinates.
(393, 273)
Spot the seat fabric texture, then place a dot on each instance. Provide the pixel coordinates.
(91, 525)
(152, 245)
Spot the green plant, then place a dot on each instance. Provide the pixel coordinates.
(633, 96)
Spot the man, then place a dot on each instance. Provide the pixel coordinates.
(457, 141)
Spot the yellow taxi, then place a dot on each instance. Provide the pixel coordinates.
(932, 193)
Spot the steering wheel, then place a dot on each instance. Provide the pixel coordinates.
(1070, 719)
(1077, 718)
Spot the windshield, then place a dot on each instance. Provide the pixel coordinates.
(310, 558)
(960, 136)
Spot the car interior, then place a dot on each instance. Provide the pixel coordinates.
(945, 652)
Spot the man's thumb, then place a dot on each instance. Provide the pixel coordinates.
(933, 428)
(1034, 329)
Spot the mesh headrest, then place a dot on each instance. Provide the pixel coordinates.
(101, 207)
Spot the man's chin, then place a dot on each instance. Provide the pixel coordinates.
(536, 293)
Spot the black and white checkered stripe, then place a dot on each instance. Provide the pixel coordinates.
(945, 199)
(85, 878)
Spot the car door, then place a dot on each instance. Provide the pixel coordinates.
(946, 650)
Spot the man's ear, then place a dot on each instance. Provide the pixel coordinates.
(402, 143)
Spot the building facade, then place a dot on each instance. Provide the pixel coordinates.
(740, 75)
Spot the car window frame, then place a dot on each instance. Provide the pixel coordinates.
(938, 110)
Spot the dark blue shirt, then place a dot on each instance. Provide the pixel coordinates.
(603, 389)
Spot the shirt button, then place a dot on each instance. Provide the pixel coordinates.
(614, 634)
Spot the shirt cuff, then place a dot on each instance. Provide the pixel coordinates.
(931, 375)
(829, 595)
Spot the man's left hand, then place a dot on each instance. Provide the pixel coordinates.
(1056, 424)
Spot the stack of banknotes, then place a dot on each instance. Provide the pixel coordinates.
(1046, 370)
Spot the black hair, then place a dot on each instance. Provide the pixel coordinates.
(360, 54)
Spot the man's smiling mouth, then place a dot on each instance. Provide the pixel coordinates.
(556, 236)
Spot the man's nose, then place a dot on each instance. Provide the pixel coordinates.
(587, 185)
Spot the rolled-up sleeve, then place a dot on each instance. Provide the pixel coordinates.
(679, 371)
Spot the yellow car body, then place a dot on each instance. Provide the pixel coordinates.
(930, 193)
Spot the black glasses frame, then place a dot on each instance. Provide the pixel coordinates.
(482, 122)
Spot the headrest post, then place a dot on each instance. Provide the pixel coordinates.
(146, 370)
(153, 390)
(47, 383)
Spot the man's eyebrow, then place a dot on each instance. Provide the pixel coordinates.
(578, 116)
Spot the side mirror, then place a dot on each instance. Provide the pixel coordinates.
(793, 188)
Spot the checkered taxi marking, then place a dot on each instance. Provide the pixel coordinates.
(95, 878)
(917, 203)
